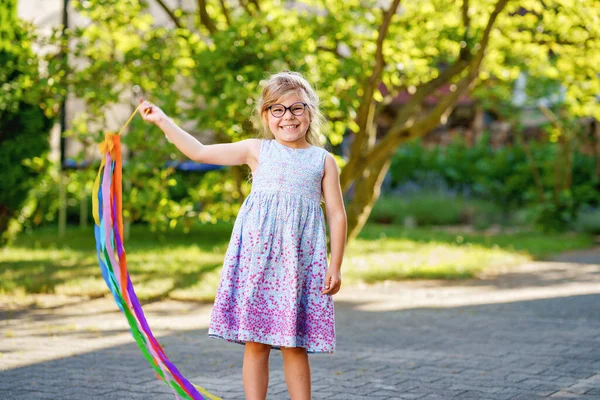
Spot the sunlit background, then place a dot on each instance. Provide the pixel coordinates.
(466, 133)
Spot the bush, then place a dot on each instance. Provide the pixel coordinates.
(428, 209)
(588, 220)
(24, 127)
(501, 176)
(23, 136)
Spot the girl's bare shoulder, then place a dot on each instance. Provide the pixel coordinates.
(253, 152)
(254, 144)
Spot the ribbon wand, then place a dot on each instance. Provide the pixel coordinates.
(108, 232)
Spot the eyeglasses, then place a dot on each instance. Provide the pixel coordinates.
(278, 110)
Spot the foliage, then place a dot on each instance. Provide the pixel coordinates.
(502, 176)
(554, 46)
(24, 126)
(498, 175)
(23, 142)
(588, 220)
(434, 208)
(203, 67)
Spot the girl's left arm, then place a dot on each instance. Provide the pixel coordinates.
(336, 219)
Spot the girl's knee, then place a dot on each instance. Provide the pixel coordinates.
(260, 348)
(294, 350)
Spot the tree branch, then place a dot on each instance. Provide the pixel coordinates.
(465, 17)
(331, 50)
(256, 4)
(473, 70)
(562, 42)
(444, 77)
(403, 131)
(175, 20)
(225, 12)
(426, 89)
(373, 82)
(366, 133)
(205, 18)
(244, 5)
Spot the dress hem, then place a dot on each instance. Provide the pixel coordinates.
(273, 346)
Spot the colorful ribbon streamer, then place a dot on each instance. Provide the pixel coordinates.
(108, 230)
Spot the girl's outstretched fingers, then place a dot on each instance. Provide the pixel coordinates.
(150, 112)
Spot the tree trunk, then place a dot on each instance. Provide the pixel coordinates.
(370, 160)
(478, 124)
(5, 216)
(367, 191)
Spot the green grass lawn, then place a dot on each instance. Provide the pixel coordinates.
(187, 266)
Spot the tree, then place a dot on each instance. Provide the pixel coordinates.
(24, 127)
(358, 53)
(554, 49)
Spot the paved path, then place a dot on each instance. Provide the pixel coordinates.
(529, 333)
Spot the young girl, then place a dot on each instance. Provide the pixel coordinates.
(276, 285)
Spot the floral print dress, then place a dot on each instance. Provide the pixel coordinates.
(276, 261)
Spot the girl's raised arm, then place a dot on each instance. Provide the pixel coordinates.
(242, 152)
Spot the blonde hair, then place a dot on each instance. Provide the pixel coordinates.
(283, 84)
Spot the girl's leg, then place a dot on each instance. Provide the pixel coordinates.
(255, 372)
(297, 372)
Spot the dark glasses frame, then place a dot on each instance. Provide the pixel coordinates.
(285, 109)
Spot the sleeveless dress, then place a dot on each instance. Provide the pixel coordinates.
(276, 261)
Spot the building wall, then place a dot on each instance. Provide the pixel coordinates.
(48, 14)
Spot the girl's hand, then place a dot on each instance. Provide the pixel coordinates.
(152, 113)
(333, 282)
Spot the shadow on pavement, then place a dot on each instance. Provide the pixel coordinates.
(526, 349)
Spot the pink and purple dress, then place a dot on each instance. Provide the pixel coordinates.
(275, 265)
